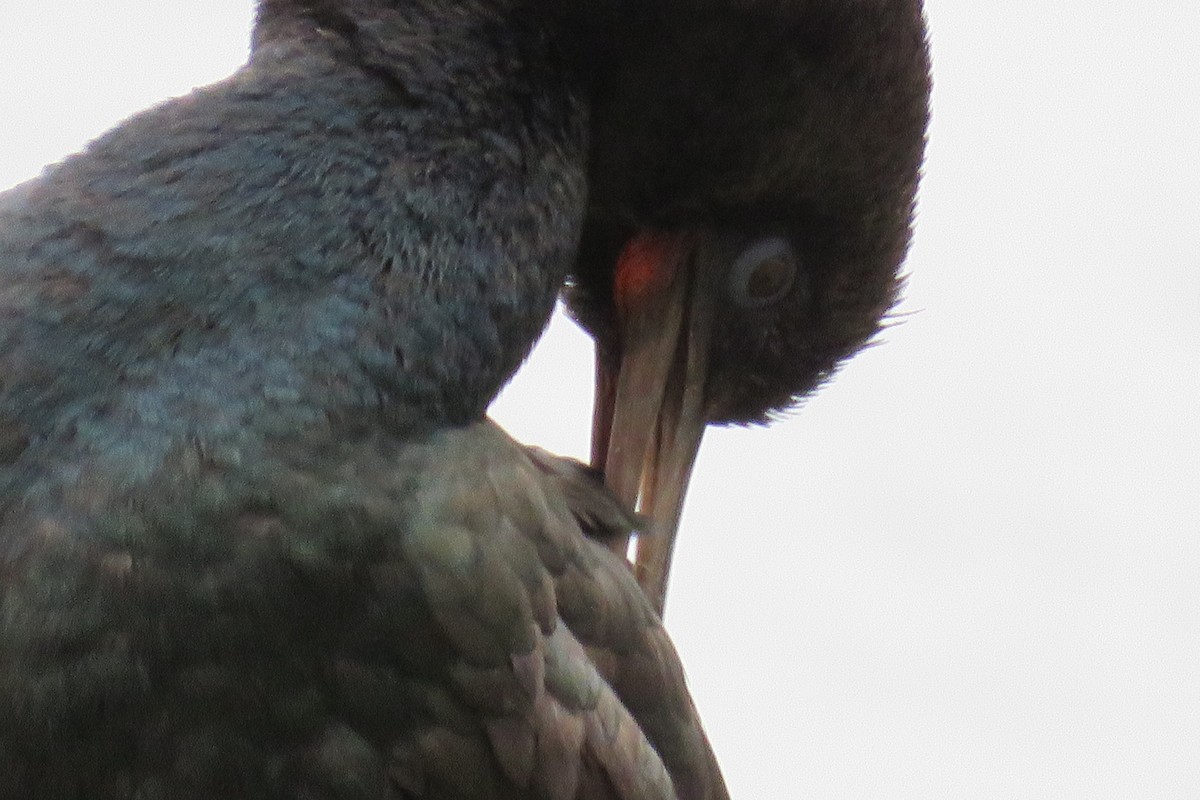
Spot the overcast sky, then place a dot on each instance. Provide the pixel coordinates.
(970, 567)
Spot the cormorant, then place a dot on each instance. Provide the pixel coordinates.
(257, 538)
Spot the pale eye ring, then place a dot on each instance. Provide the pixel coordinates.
(763, 273)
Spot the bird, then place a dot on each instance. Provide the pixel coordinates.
(258, 537)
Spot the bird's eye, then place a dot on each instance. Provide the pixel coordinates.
(763, 272)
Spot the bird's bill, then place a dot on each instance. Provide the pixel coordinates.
(649, 415)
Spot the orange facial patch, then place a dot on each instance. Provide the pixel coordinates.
(645, 268)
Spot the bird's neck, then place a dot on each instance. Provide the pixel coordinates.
(450, 138)
(367, 225)
(468, 217)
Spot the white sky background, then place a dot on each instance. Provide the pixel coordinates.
(970, 567)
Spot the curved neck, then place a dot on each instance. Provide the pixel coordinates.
(368, 224)
(469, 232)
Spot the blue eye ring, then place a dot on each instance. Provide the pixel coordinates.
(763, 273)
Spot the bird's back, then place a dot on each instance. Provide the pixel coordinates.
(420, 618)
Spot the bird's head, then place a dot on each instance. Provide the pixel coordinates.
(753, 175)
